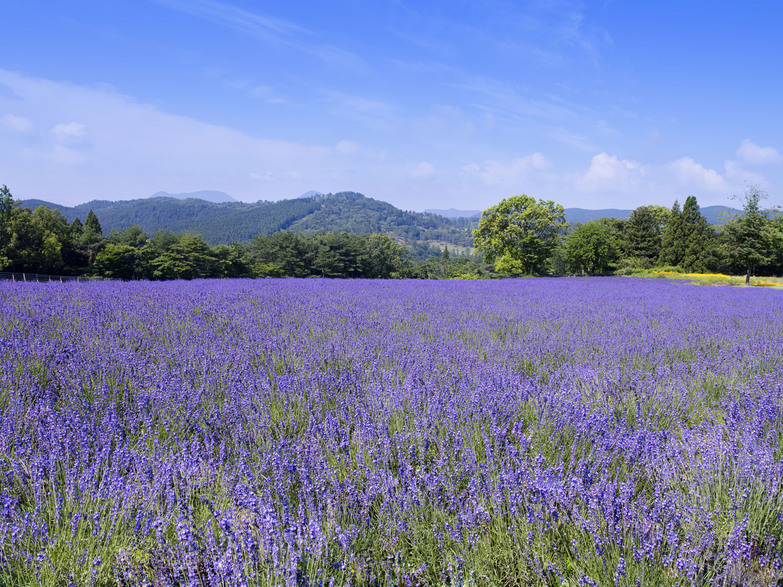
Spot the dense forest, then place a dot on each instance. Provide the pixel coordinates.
(349, 235)
(678, 239)
(236, 222)
(43, 241)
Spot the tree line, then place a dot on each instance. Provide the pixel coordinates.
(518, 236)
(524, 236)
(42, 241)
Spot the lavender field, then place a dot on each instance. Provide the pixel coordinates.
(605, 431)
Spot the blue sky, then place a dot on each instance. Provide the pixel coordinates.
(428, 104)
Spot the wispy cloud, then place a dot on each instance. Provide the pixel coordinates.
(252, 24)
(70, 132)
(16, 123)
(423, 170)
(124, 148)
(266, 29)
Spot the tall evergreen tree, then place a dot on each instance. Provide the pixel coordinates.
(91, 223)
(642, 233)
(687, 237)
(91, 241)
(672, 239)
(697, 236)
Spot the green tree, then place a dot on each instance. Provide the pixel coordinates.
(687, 238)
(133, 236)
(32, 246)
(91, 223)
(642, 234)
(117, 261)
(673, 238)
(75, 256)
(519, 234)
(91, 240)
(189, 258)
(590, 248)
(279, 254)
(231, 261)
(161, 241)
(7, 207)
(384, 257)
(752, 238)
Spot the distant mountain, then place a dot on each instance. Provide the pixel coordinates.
(719, 214)
(581, 215)
(227, 222)
(454, 213)
(714, 214)
(239, 222)
(33, 204)
(207, 195)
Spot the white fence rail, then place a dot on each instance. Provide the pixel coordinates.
(42, 278)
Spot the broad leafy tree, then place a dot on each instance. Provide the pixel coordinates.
(590, 248)
(133, 236)
(752, 238)
(519, 234)
(118, 261)
(7, 206)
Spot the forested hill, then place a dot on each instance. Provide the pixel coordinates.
(224, 223)
(358, 214)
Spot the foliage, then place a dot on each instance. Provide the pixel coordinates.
(226, 223)
(590, 248)
(752, 239)
(356, 214)
(687, 238)
(642, 233)
(448, 266)
(524, 237)
(133, 236)
(327, 255)
(7, 206)
(118, 261)
(519, 234)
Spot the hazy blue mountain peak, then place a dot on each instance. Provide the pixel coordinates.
(213, 196)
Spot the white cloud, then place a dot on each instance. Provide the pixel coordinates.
(69, 133)
(496, 173)
(608, 172)
(423, 170)
(136, 149)
(345, 147)
(16, 123)
(736, 174)
(751, 153)
(691, 174)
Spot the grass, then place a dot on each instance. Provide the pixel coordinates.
(712, 278)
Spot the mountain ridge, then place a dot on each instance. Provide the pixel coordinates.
(216, 197)
(227, 222)
(232, 221)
